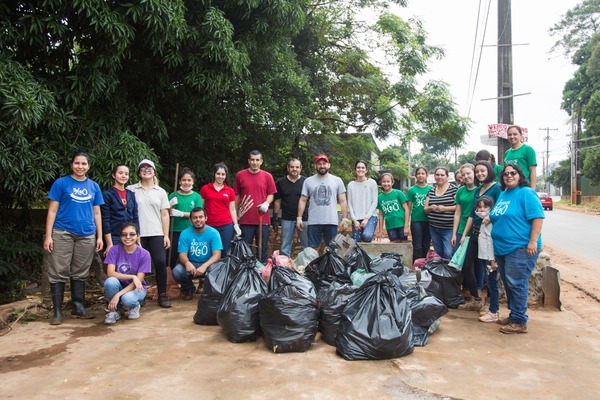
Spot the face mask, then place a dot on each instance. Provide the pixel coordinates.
(186, 188)
(482, 214)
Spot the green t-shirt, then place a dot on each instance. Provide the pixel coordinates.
(497, 170)
(390, 205)
(464, 197)
(417, 195)
(185, 203)
(524, 157)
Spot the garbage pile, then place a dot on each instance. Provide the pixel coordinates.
(369, 309)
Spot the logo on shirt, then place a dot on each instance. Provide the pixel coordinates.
(124, 268)
(500, 208)
(81, 195)
(388, 206)
(323, 195)
(198, 249)
(420, 199)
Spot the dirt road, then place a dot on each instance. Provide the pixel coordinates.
(164, 355)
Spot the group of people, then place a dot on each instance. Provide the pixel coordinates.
(135, 223)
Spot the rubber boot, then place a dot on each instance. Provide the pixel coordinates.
(78, 300)
(57, 290)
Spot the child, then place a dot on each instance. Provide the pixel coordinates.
(393, 210)
(486, 253)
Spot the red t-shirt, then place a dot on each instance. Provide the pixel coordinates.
(216, 204)
(258, 186)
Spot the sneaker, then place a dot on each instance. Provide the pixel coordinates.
(473, 304)
(513, 328)
(134, 313)
(188, 295)
(112, 317)
(164, 301)
(490, 317)
(503, 321)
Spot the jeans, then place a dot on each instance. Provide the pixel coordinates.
(250, 234)
(421, 238)
(316, 232)
(181, 276)
(442, 241)
(287, 235)
(226, 233)
(396, 234)
(492, 289)
(129, 300)
(366, 235)
(480, 275)
(515, 269)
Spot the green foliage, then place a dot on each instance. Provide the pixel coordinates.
(561, 176)
(20, 260)
(591, 165)
(393, 160)
(576, 27)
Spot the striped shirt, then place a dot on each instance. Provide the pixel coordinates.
(442, 220)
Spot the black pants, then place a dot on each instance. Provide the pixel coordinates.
(156, 246)
(468, 269)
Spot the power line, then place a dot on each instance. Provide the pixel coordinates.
(472, 90)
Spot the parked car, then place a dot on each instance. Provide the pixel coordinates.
(546, 200)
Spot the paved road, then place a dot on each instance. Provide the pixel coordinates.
(573, 233)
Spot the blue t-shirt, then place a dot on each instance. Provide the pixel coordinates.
(76, 204)
(493, 192)
(129, 264)
(512, 217)
(199, 246)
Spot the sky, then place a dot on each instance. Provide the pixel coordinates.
(452, 25)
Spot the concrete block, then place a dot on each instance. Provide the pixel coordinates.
(405, 249)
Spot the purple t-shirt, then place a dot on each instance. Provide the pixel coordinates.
(129, 264)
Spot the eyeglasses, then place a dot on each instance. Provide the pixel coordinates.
(130, 234)
(146, 169)
(510, 173)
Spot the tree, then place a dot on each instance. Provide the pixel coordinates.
(393, 159)
(561, 175)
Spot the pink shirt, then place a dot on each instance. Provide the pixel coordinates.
(258, 186)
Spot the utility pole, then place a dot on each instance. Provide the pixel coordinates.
(505, 81)
(547, 159)
(575, 167)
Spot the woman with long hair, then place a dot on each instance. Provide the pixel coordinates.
(184, 200)
(73, 234)
(119, 207)
(126, 266)
(419, 223)
(362, 204)
(153, 208)
(219, 203)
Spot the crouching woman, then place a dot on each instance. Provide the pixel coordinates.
(127, 265)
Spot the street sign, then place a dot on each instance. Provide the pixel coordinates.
(499, 130)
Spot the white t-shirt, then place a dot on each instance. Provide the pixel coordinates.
(150, 203)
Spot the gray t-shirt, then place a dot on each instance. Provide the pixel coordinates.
(323, 194)
(362, 199)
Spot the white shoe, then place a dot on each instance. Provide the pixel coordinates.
(112, 317)
(134, 313)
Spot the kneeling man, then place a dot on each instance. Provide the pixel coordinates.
(199, 247)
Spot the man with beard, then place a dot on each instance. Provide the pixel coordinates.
(199, 247)
(289, 190)
(325, 191)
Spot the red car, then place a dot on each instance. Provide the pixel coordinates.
(546, 200)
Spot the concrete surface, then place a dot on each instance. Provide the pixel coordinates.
(165, 355)
(375, 248)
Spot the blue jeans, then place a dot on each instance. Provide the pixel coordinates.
(421, 238)
(515, 269)
(442, 241)
(287, 235)
(480, 273)
(396, 234)
(226, 233)
(366, 235)
(129, 300)
(250, 234)
(316, 232)
(492, 289)
(181, 276)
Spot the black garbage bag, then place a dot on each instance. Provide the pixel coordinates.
(216, 281)
(281, 275)
(357, 259)
(425, 280)
(449, 279)
(238, 313)
(332, 301)
(376, 322)
(289, 316)
(387, 261)
(240, 249)
(425, 311)
(326, 269)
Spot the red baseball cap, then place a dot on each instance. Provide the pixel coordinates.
(321, 157)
